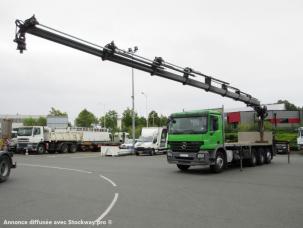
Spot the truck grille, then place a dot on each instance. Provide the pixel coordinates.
(23, 140)
(190, 147)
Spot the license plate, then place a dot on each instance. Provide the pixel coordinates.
(184, 155)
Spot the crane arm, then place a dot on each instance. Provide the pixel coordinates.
(157, 67)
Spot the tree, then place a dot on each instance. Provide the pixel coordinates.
(127, 118)
(289, 106)
(29, 121)
(56, 112)
(41, 121)
(153, 119)
(85, 119)
(163, 120)
(141, 121)
(110, 120)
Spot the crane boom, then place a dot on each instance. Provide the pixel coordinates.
(157, 67)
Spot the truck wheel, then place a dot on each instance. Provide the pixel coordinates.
(64, 148)
(268, 157)
(183, 167)
(260, 157)
(152, 152)
(41, 149)
(73, 148)
(253, 159)
(219, 163)
(5, 168)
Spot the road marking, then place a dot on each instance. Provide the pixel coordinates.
(109, 180)
(55, 167)
(92, 156)
(55, 156)
(112, 204)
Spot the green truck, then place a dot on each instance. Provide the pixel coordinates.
(197, 138)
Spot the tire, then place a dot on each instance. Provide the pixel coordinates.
(73, 148)
(137, 153)
(219, 163)
(268, 157)
(253, 159)
(183, 167)
(5, 168)
(40, 149)
(260, 157)
(64, 148)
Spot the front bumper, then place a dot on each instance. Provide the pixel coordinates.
(144, 150)
(27, 146)
(192, 159)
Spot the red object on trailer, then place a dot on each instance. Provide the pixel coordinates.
(233, 117)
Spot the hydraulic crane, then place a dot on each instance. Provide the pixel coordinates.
(158, 66)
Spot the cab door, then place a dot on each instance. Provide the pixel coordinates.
(37, 135)
(215, 131)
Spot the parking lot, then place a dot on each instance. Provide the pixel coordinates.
(143, 191)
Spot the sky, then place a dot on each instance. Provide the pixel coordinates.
(256, 46)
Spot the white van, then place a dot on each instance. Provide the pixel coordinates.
(153, 140)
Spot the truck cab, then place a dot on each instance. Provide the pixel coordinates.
(31, 139)
(194, 137)
(152, 141)
(300, 138)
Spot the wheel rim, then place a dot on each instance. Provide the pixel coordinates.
(4, 168)
(220, 162)
(40, 150)
(254, 160)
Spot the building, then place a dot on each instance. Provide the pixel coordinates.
(57, 122)
(277, 116)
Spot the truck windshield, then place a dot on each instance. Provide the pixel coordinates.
(145, 139)
(301, 133)
(188, 125)
(27, 131)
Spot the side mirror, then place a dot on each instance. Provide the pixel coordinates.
(155, 140)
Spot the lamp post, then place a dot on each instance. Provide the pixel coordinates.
(104, 111)
(132, 51)
(145, 107)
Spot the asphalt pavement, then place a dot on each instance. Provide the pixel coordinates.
(145, 191)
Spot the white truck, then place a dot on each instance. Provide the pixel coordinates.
(300, 138)
(153, 140)
(41, 139)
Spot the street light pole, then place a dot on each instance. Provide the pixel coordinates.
(132, 51)
(104, 111)
(146, 108)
